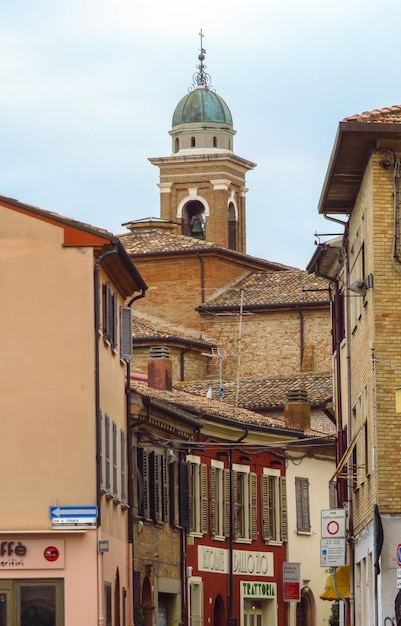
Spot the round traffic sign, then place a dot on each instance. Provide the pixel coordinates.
(333, 527)
(51, 553)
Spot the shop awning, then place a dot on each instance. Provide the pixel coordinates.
(342, 584)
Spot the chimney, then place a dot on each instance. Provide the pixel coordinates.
(297, 410)
(160, 368)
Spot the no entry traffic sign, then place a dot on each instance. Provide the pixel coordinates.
(333, 523)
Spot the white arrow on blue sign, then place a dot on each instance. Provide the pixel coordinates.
(57, 512)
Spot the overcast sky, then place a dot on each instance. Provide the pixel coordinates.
(88, 89)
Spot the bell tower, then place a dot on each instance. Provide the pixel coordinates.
(202, 183)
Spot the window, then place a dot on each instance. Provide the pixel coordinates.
(115, 485)
(219, 498)
(302, 504)
(107, 605)
(198, 495)
(273, 499)
(152, 487)
(214, 142)
(232, 227)
(107, 451)
(122, 475)
(27, 602)
(244, 502)
(109, 315)
(193, 143)
(360, 454)
(126, 333)
(158, 487)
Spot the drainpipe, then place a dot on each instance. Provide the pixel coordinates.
(202, 275)
(301, 337)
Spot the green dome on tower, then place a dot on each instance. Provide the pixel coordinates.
(202, 106)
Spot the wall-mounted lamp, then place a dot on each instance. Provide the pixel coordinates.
(361, 286)
(140, 527)
(189, 571)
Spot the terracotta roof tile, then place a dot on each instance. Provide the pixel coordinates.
(162, 242)
(273, 288)
(387, 115)
(204, 406)
(267, 393)
(145, 328)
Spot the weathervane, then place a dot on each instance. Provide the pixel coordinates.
(201, 79)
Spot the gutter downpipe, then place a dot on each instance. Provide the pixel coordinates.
(349, 468)
(96, 285)
(202, 276)
(130, 479)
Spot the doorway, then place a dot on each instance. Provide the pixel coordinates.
(37, 602)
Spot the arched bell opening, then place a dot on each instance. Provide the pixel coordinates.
(193, 220)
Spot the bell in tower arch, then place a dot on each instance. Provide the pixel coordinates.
(195, 220)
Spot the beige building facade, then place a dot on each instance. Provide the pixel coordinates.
(64, 533)
(366, 271)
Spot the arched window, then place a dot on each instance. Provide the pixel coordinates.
(214, 142)
(193, 220)
(177, 144)
(192, 142)
(232, 227)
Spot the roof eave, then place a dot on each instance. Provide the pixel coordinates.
(354, 142)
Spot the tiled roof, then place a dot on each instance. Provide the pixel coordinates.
(202, 406)
(273, 288)
(387, 115)
(267, 393)
(147, 329)
(161, 242)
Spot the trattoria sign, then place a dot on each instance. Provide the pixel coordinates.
(28, 554)
(244, 562)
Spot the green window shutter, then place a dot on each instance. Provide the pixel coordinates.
(283, 504)
(253, 522)
(203, 498)
(212, 500)
(226, 504)
(264, 505)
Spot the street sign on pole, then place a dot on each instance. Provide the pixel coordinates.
(292, 582)
(332, 552)
(333, 523)
(73, 515)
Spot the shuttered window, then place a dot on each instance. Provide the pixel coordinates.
(198, 495)
(115, 483)
(273, 506)
(244, 498)
(123, 490)
(126, 333)
(217, 499)
(107, 451)
(109, 315)
(302, 504)
(184, 483)
(143, 482)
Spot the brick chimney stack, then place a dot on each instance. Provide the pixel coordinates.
(297, 410)
(160, 368)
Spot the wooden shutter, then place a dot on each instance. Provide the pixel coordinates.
(234, 493)
(283, 506)
(143, 481)
(163, 489)
(264, 506)
(212, 500)
(302, 504)
(126, 333)
(203, 498)
(172, 490)
(253, 522)
(184, 500)
(227, 507)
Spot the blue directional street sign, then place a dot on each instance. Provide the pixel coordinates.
(74, 514)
